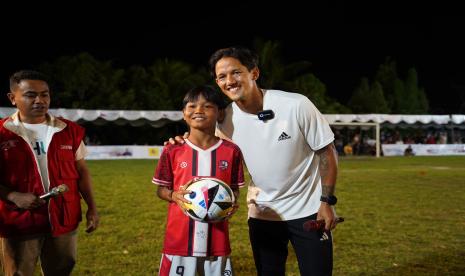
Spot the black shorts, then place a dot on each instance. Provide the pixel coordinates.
(269, 240)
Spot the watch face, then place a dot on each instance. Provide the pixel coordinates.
(332, 200)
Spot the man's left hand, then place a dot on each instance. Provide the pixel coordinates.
(328, 214)
(92, 220)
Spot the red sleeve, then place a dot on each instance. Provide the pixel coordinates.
(237, 170)
(164, 173)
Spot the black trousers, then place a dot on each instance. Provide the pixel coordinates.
(269, 240)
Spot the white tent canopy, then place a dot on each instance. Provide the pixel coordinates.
(160, 118)
(121, 117)
(388, 118)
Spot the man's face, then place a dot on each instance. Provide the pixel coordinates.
(32, 98)
(234, 79)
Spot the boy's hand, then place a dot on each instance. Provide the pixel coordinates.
(233, 211)
(177, 140)
(178, 196)
(235, 204)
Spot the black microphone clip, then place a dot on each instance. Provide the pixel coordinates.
(265, 115)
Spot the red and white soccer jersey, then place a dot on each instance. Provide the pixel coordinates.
(179, 164)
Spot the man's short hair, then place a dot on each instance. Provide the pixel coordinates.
(17, 77)
(248, 58)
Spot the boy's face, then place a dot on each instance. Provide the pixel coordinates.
(32, 98)
(201, 114)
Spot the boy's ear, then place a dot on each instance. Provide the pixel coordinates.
(221, 115)
(183, 114)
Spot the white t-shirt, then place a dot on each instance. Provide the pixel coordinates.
(280, 154)
(39, 137)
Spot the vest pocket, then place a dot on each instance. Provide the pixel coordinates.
(71, 209)
(67, 165)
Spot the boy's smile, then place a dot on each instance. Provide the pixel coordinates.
(201, 114)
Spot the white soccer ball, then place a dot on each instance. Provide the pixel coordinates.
(211, 200)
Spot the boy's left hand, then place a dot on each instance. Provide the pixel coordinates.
(233, 211)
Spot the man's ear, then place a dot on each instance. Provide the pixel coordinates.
(221, 115)
(11, 97)
(255, 73)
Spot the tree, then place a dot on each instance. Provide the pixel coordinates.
(408, 98)
(415, 94)
(274, 73)
(358, 102)
(386, 77)
(368, 99)
(310, 86)
(376, 101)
(294, 76)
(403, 96)
(83, 82)
(168, 83)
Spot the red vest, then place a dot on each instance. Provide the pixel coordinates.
(19, 171)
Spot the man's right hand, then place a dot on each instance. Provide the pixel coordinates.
(177, 140)
(25, 201)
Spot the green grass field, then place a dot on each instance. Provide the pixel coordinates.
(404, 216)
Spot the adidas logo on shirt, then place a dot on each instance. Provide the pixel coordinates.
(283, 136)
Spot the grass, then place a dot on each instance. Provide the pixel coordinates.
(404, 216)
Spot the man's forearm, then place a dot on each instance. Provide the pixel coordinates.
(85, 187)
(87, 194)
(328, 169)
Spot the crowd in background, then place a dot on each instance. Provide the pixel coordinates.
(363, 142)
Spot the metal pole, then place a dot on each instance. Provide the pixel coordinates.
(378, 141)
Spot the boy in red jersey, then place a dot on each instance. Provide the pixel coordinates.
(190, 246)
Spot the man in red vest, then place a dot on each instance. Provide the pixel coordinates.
(39, 152)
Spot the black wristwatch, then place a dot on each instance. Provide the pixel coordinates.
(331, 200)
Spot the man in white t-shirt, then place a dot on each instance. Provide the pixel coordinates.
(288, 149)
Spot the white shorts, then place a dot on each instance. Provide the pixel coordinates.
(173, 265)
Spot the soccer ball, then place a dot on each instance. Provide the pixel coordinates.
(211, 200)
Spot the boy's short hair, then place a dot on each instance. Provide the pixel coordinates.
(17, 77)
(208, 92)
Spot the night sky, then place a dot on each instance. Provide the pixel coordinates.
(344, 42)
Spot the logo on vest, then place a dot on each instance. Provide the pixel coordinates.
(66, 147)
(183, 164)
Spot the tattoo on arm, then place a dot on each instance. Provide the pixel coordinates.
(324, 167)
(328, 169)
(327, 190)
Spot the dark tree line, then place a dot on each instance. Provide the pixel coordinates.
(82, 81)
